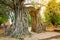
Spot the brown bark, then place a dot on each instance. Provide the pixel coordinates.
(36, 24)
(34, 21)
(33, 24)
(21, 24)
(33, 15)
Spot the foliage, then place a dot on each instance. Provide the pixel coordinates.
(3, 13)
(52, 14)
(29, 20)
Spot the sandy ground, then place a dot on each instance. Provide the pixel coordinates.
(35, 36)
(40, 36)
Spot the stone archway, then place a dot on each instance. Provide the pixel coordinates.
(33, 13)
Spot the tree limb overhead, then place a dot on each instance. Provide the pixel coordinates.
(5, 3)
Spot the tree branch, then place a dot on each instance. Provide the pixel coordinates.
(5, 3)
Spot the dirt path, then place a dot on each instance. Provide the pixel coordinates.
(43, 36)
(6, 38)
(40, 36)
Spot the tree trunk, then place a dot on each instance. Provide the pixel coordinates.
(21, 23)
(36, 23)
(33, 24)
(39, 26)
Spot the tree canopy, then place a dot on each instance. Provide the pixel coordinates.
(52, 14)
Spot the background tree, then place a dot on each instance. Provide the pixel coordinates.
(52, 13)
(35, 16)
